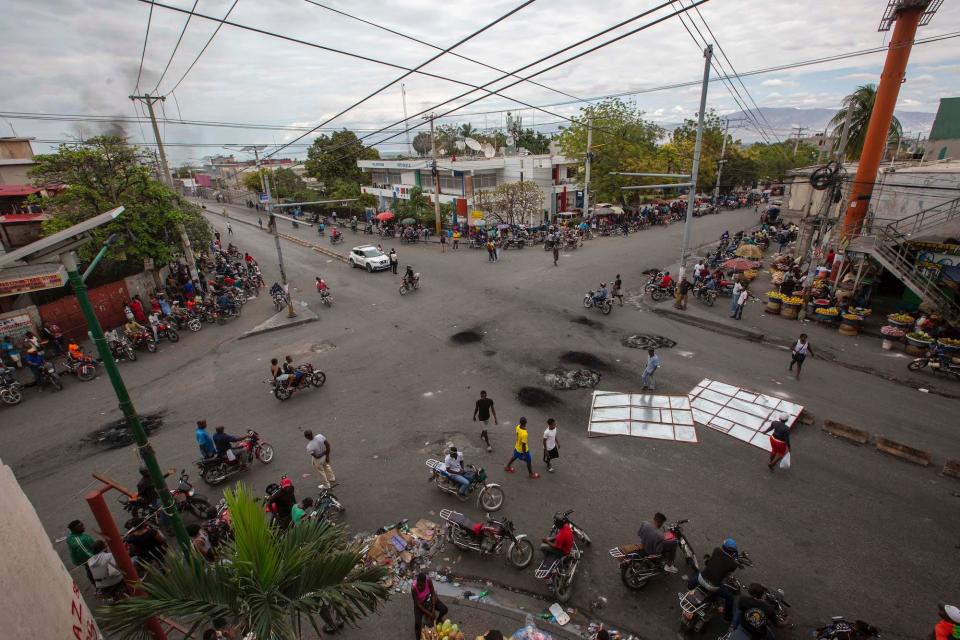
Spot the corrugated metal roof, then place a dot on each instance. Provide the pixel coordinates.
(18, 189)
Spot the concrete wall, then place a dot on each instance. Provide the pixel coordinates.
(40, 598)
(14, 173)
(900, 194)
(941, 150)
(16, 323)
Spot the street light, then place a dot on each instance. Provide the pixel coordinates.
(61, 247)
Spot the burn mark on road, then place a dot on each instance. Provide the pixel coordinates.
(469, 336)
(536, 397)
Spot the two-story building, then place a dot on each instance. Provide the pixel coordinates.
(462, 178)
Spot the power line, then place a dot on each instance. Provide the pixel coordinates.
(409, 72)
(433, 46)
(212, 36)
(176, 46)
(143, 53)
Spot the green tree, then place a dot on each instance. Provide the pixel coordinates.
(183, 172)
(418, 206)
(251, 181)
(284, 182)
(102, 173)
(335, 157)
(683, 141)
(622, 141)
(533, 141)
(860, 103)
(421, 143)
(265, 583)
(774, 160)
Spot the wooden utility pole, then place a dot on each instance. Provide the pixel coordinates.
(796, 144)
(436, 175)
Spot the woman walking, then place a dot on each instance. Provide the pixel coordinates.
(799, 353)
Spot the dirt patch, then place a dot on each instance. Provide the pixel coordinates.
(584, 320)
(117, 433)
(323, 347)
(648, 341)
(536, 397)
(565, 380)
(584, 359)
(466, 337)
(489, 352)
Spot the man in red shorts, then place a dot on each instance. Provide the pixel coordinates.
(779, 441)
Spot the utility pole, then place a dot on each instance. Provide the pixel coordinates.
(723, 150)
(796, 144)
(692, 194)
(148, 100)
(586, 176)
(436, 174)
(272, 226)
(406, 123)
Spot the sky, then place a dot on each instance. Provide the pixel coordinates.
(68, 57)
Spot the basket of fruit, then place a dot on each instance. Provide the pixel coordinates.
(919, 339)
(951, 345)
(901, 320)
(891, 334)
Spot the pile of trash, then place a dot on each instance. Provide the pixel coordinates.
(575, 379)
(403, 549)
(595, 627)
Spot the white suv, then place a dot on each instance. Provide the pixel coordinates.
(370, 258)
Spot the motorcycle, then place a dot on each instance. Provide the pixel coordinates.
(120, 348)
(938, 361)
(85, 368)
(707, 296)
(840, 629)
(489, 495)
(488, 537)
(283, 386)
(166, 330)
(10, 388)
(326, 507)
(187, 499)
(280, 299)
(215, 470)
(326, 298)
(778, 604)
(409, 285)
(222, 315)
(638, 569)
(48, 375)
(605, 306)
(184, 319)
(336, 239)
(560, 572)
(698, 606)
(143, 339)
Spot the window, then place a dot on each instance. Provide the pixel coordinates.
(484, 180)
(394, 177)
(451, 183)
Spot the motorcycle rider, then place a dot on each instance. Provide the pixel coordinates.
(753, 616)
(719, 566)
(132, 327)
(322, 287)
(225, 304)
(666, 280)
(454, 470)
(559, 546)
(34, 360)
(408, 276)
(281, 503)
(292, 370)
(655, 543)
(223, 442)
(208, 448)
(600, 295)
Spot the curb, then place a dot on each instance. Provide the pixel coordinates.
(951, 469)
(902, 451)
(712, 325)
(845, 432)
(308, 316)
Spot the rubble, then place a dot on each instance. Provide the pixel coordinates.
(403, 549)
(572, 379)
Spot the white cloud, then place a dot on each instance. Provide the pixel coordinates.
(778, 82)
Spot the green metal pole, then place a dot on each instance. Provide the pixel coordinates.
(69, 261)
(96, 260)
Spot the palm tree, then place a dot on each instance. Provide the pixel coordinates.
(466, 130)
(860, 102)
(265, 582)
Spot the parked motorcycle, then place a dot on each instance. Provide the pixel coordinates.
(184, 319)
(699, 606)
(704, 295)
(187, 499)
(120, 348)
(215, 470)
(143, 339)
(409, 285)
(166, 330)
(489, 495)
(840, 629)
(10, 388)
(560, 572)
(491, 536)
(85, 368)
(638, 569)
(938, 360)
(284, 387)
(778, 604)
(49, 375)
(605, 306)
(326, 506)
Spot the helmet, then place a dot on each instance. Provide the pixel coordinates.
(730, 545)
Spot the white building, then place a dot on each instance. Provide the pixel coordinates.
(461, 179)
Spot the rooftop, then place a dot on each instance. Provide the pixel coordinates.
(24, 217)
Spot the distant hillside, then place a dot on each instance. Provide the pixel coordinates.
(783, 119)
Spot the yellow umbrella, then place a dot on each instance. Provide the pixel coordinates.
(749, 251)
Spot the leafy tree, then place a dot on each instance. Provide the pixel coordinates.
(533, 141)
(183, 172)
(102, 173)
(251, 181)
(421, 143)
(683, 141)
(515, 203)
(264, 584)
(774, 160)
(466, 130)
(335, 157)
(622, 141)
(861, 102)
(418, 206)
(284, 182)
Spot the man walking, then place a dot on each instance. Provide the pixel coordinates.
(551, 448)
(521, 451)
(741, 301)
(260, 222)
(653, 363)
(618, 289)
(491, 247)
(456, 239)
(229, 227)
(799, 353)
(443, 241)
(394, 260)
(556, 251)
(735, 296)
(319, 449)
(482, 411)
(682, 290)
(779, 440)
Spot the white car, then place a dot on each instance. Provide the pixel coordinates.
(369, 258)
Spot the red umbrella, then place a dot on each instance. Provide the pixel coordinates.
(385, 216)
(739, 264)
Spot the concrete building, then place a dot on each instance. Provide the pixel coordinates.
(16, 159)
(462, 178)
(944, 140)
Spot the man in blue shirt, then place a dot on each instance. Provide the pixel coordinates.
(34, 360)
(223, 441)
(207, 448)
(653, 363)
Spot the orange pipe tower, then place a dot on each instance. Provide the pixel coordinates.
(907, 14)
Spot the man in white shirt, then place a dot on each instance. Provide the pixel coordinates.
(103, 567)
(453, 464)
(551, 449)
(735, 297)
(319, 449)
(741, 301)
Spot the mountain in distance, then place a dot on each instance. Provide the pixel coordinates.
(785, 119)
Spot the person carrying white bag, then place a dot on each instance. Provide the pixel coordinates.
(779, 443)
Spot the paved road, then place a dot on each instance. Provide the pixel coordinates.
(846, 531)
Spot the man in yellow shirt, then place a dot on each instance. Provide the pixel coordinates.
(521, 451)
